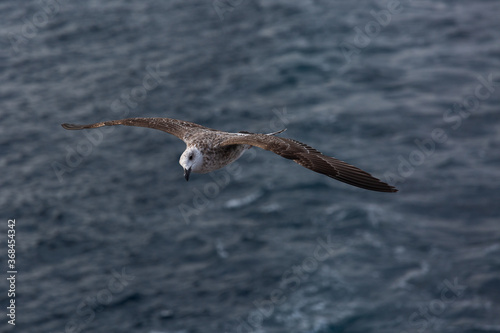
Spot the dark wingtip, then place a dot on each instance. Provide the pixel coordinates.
(388, 188)
(71, 126)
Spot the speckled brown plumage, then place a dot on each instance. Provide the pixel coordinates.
(222, 148)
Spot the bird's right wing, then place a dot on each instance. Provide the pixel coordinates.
(312, 159)
(172, 126)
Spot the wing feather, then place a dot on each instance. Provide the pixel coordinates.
(172, 126)
(312, 159)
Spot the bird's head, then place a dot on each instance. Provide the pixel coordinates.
(191, 160)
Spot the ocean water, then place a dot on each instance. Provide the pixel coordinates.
(111, 238)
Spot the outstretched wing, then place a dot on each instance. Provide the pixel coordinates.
(173, 126)
(312, 159)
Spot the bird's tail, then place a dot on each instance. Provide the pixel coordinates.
(284, 129)
(274, 133)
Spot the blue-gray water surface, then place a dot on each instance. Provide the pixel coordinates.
(111, 238)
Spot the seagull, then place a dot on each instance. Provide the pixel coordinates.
(209, 149)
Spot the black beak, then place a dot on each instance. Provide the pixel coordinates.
(187, 172)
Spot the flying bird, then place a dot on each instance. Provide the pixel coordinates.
(208, 149)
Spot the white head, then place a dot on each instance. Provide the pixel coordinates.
(191, 160)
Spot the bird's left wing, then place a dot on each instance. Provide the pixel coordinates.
(312, 159)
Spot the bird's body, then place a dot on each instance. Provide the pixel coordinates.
(214, 155)
(209, 149)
